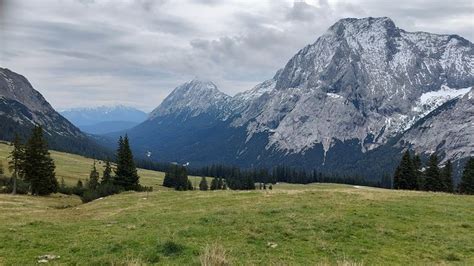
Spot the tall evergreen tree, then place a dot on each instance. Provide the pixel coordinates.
(17, 160)
(177, 178)
(38, 166)
(94, 178)
(182, 181)
(417, 165)
(404, 177)
(433, 180)
(214, 184)
(169, 179)
(2, 172)
(447, 176)
(466, 186)
(203, 184)
(107, 174)
(126, 172)
(220, 183)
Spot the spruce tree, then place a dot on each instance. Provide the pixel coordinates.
(169, 180)
(417, 165)
(181, 180)
(126, 173)
(466, 186)
(17, 161)
(39, 167)
(94, 178)
(203, 184)
(219, 183)
(433, 180)
(214, 184)
(447, 176)
(190, 185)
(107, 174)
(404, 177)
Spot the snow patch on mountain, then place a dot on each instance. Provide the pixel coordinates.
(431, 100)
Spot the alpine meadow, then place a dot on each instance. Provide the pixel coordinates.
(190, 132)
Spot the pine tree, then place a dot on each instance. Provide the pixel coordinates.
(220, 183)
(447, 176)
(1, 169)
(214, 184)
(417, 165)
(38, 166)
(467, 179)
(169, 180)
(107, 174)
(190, 185)
(404, 177)
(181, 180)
(93, 178)
(203, 184)
(17, 161)
(433, 180)
(126, 173)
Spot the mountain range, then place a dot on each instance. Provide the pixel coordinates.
(105, 119)
(348, 103)
(22, 107)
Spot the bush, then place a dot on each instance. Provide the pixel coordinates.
(6, 186)
(170, 248)
(89, 195)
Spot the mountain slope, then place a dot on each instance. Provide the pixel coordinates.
(337, 105)
(21, 107)
(105, 119)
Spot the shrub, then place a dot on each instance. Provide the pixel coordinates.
(170, 248)
(6, 186)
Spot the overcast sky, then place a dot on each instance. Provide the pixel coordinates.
(98, 52)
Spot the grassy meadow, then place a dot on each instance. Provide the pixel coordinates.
(73, 167)
(317, 224)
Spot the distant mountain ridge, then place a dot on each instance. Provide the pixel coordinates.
(21, 107)
(364, 89)
(105, 119)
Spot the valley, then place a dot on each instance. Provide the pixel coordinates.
(222, 133)
(325, 224)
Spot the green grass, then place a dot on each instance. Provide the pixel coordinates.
(292, 224)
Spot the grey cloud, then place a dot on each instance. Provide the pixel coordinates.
(85, 52)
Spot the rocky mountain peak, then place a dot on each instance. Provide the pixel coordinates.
(193, 97)
(16, 87)
(350, 26)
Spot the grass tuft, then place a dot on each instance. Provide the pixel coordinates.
(214, 255)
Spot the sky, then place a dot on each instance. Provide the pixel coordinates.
(86, 53)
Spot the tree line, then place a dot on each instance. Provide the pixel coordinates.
(124, 177)
(33, 171)
(411, 174)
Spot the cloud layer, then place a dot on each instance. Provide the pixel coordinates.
(92, 52)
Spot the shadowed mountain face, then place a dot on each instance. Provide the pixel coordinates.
(348, 103)
(105, 119)
(21, 107)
